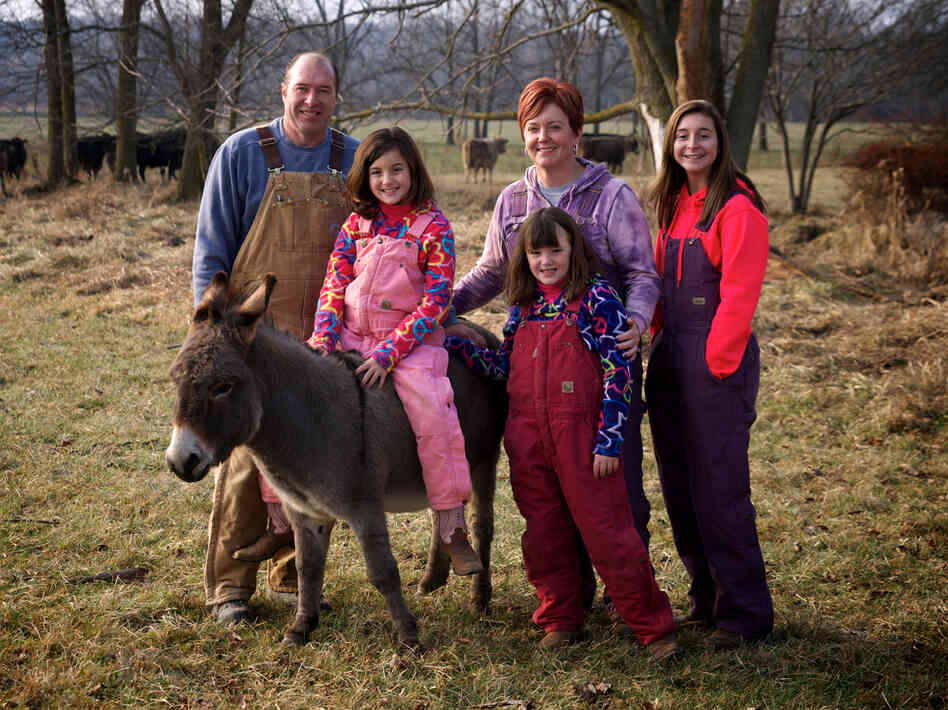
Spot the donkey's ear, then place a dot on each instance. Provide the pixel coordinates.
(214, 300)
(252, 309)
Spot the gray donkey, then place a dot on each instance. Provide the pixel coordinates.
(330, 448)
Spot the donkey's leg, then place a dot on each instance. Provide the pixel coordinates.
(371, 529)
(483, 482)
(438, 568)
(312, 544)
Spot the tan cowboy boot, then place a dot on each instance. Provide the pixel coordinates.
(453, 532)
(265, 547)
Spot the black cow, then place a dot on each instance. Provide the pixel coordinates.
(13, 151)
(12, 159)
(93, 150)
(165, 152)
(608, 148)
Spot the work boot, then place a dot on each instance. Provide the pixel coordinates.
(559, 639)
(664, 648)
(232, 612)
(464, 560)
(265, 547)
(692, 619)
(722, 640)
(452, 530)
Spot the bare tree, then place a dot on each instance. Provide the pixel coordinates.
(835, 58)
(198, 76)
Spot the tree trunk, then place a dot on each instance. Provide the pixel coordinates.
(751, 78)
(56, 167)
(762, 136)
(199, 85)
(67, 88)
(652, 96)
(126, 99)
(693, 49)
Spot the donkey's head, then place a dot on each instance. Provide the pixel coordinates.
(218, 404)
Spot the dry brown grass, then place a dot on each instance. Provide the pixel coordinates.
(848, 458)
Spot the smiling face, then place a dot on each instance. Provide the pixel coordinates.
(309, 98)
(695, 148)
(550, 140)
(390, 178)
(550, 265)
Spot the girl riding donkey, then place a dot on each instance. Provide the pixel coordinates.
(569, 398)
(387, 289)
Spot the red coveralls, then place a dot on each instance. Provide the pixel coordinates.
(555, 388)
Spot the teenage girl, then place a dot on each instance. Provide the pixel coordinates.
(569, 392)
(387, 289)
(704, 370)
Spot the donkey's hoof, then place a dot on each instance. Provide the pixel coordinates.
(410, 646)
(433, 579)
(480, 598)
(427, 586)
(295, 638)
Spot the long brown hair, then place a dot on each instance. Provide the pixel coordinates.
(375, 145)
(538, 231)
(722, 180)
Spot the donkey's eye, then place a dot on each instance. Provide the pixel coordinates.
(221, 389)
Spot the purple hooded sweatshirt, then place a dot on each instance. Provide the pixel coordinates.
(611, 220)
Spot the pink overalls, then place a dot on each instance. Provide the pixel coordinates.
(388, 286)
(555, 389)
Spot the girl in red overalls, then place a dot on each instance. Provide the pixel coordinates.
(704, 370)
(387, 289)
(569, 398)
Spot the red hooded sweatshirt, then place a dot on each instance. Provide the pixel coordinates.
(737, 245)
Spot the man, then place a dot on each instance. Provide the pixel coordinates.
(274, 201)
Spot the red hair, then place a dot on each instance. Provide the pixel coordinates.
(539, 92)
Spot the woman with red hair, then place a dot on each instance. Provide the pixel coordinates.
(611, 220)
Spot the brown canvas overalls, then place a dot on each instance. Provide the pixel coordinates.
(292, 237)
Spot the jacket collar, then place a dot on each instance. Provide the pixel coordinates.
(591, 173)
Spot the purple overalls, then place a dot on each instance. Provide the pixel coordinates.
(555, 388)
(701, 432)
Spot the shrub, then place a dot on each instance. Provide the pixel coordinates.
(918, 171)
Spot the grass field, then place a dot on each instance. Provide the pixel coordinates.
(848, 461)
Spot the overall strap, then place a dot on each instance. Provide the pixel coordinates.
(417, 228)
(420, 224)
(589, 198)
(270, 151)
(706, 225)
(518, 199)
(337, 150)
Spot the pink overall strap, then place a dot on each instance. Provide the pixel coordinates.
(420, 224)
(417, 228)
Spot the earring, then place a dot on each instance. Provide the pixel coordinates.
(575, 148)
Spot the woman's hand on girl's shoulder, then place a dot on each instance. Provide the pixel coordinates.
(604, 465)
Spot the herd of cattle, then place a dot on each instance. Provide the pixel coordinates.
(165, 150)
(480, 154)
